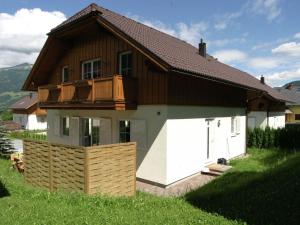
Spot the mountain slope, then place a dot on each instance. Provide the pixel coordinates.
(11, 81)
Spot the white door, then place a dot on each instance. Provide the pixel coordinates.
(210, 140)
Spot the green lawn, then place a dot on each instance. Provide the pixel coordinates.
(262, 189)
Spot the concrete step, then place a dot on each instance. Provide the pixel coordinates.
(219, 168)
(212, 173)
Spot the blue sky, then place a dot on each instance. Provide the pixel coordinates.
(258, 36)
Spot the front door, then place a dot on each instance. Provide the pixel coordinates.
(210, 137)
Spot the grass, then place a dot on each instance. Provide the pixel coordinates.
(261, 189)
(31, 135)
(22, 204)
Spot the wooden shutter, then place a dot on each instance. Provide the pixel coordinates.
(105, 131)
(138, 133)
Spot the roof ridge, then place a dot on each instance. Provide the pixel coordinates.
(178, 39)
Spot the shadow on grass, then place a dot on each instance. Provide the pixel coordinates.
(270, 197)
(3, 191)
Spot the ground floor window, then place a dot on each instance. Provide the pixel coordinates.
(124, 131)
(66, 126)
(91, 132)
(235, 125)
(297, 116)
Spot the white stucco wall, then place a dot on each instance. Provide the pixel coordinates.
(276, 119)
(150, 159)
(187, 138)
(31, 121)
(257, 119)
(174, 146)
(261, 119)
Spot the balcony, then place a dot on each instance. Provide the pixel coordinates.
(114, 92)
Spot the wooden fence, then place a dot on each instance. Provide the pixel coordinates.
(105, 169)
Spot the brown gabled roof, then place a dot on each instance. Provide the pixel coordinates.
(177, 54)
(25, 102)
(292, 95)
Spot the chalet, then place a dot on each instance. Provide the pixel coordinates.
(105, 78)
(292, 113)
(265, 111)
(27, 113)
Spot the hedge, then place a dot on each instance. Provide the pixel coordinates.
(284, 138)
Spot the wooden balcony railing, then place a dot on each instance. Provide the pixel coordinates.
(106, 92)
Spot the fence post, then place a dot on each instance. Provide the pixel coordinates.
(50, 168)
(86, 171)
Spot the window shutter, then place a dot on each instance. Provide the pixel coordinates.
(138, 133)
(105, 131)
(74, 129)
(56, 125)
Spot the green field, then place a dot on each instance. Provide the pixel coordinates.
(261, 189)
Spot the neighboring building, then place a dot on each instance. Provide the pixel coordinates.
(265, 111)
(292, 112)
(27, 113)
(116, 80)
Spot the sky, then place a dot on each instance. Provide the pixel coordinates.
(261, 37)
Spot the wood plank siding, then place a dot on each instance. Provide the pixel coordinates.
(152, 85)
(184, 90)
(151, 81)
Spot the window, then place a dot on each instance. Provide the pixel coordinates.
(91, 69)
(125, 61)
(65, 74)
(66, 126)
(124, 129)
(297, 116)
(235, 125)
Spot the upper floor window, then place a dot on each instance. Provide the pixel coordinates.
(125, 63)
(65, 74)
(91, 69)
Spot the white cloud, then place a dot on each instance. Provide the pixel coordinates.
(227, 19)
(190, 33)
(23, 34)
(280, 78)
(268, 8)
(264, 62)
(297, 35)
(289, 49)
(226, 41)
(230, 55)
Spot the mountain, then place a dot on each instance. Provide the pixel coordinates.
(11, 81)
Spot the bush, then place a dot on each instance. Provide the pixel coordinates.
(284, 138)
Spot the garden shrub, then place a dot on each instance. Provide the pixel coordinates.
(284, 138)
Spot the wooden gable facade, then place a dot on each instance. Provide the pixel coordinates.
(148, 84)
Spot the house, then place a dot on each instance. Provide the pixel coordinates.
(265, 111)
(116, 80)
(27, 113)
(292, 111)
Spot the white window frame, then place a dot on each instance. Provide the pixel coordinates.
(120, 60)
(235, 125)
(63, 74)
(92, 65)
